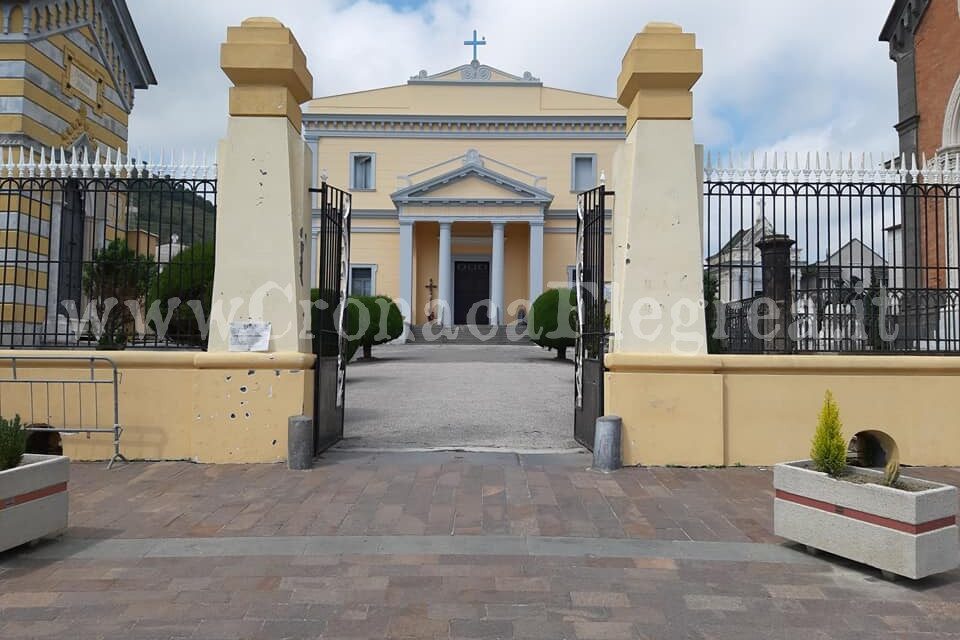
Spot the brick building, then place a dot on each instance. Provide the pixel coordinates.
(924, 37)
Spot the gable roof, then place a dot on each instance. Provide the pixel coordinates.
(515, 192)
(140, 72)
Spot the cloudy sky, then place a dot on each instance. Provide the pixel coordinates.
(780, 74)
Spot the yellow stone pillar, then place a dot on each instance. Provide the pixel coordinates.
(263, 213)
(672, 413)
(656, 230)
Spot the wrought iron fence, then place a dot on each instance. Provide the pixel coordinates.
(104, 252)
(804, 258)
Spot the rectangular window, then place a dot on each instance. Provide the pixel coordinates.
(583, 172)
(361, 281)
(362, 171)
(571, 276)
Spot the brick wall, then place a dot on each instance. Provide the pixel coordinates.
(938, 69)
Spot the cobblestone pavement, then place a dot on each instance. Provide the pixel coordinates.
(361, 547)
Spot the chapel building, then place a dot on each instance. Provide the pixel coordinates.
(464, 186)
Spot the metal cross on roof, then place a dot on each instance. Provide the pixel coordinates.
(475, 43)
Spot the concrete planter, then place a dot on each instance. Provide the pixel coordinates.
(33, 500)
(908, 533)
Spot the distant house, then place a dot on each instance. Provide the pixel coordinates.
(852, 266)
(736, 267)
(167, 252)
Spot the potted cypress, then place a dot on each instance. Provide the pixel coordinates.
(902, 526)
(33, 489)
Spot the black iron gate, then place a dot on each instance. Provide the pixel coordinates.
(329, 308)
(591, 314)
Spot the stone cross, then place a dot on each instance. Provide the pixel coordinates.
(475, 43)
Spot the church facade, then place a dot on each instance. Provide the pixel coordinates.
(464, 186)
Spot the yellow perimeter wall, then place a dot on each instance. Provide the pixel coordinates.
(760, 410)
(206, 407)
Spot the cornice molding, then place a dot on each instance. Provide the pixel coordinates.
(901, 25)
(327, 126)
(525, 194)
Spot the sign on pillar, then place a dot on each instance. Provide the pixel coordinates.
(657, 262)
(263, 219)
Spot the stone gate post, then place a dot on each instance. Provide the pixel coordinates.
(658, 379)
(657, 261)
(264, 218)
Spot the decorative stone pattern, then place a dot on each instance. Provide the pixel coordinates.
(866, 521)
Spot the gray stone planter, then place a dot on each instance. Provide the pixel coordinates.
(907, 533)
(33, 500)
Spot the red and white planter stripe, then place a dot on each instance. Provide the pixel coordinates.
(908, 533)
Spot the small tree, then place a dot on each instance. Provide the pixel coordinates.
(829, 450)
(189, 278)
(13, 442)
(365, 324)
(116, 275)
(551, 325)
(384, 325)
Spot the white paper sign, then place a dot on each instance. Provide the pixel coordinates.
(249, 336)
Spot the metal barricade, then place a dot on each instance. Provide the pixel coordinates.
(63, 396)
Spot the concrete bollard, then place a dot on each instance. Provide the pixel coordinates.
(606, 444)
(299, 443)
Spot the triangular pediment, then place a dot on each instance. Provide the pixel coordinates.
(475, 72)
(472, 183)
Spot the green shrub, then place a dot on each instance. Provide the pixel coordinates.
(376, 329)
(544, 324)
(829, 450)
(361, 311)
(13, 442)
(118, 272)
(189, 277)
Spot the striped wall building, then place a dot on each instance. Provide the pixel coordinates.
(69, 70)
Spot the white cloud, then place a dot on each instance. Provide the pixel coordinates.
(775, 72)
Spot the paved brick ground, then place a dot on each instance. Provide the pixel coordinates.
(733, 580)
(415, 494)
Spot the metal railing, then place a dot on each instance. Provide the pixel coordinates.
(800, 257)
(104, 252)
(60, 399)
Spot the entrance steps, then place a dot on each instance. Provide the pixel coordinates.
(469, 334)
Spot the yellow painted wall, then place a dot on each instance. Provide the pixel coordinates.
(426, 244)
(206, 407)
(760, 410)
(461, 99)
(383, 250)
(559, 251)
(516, 258)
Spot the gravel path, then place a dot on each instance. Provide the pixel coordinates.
(513, 397)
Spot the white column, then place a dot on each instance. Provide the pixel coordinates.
(314, 258)
(446, 284)
(496, 275)
(406, 271)
(536, 260)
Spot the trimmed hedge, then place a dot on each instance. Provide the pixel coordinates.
(545, 326)
(361, 311)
